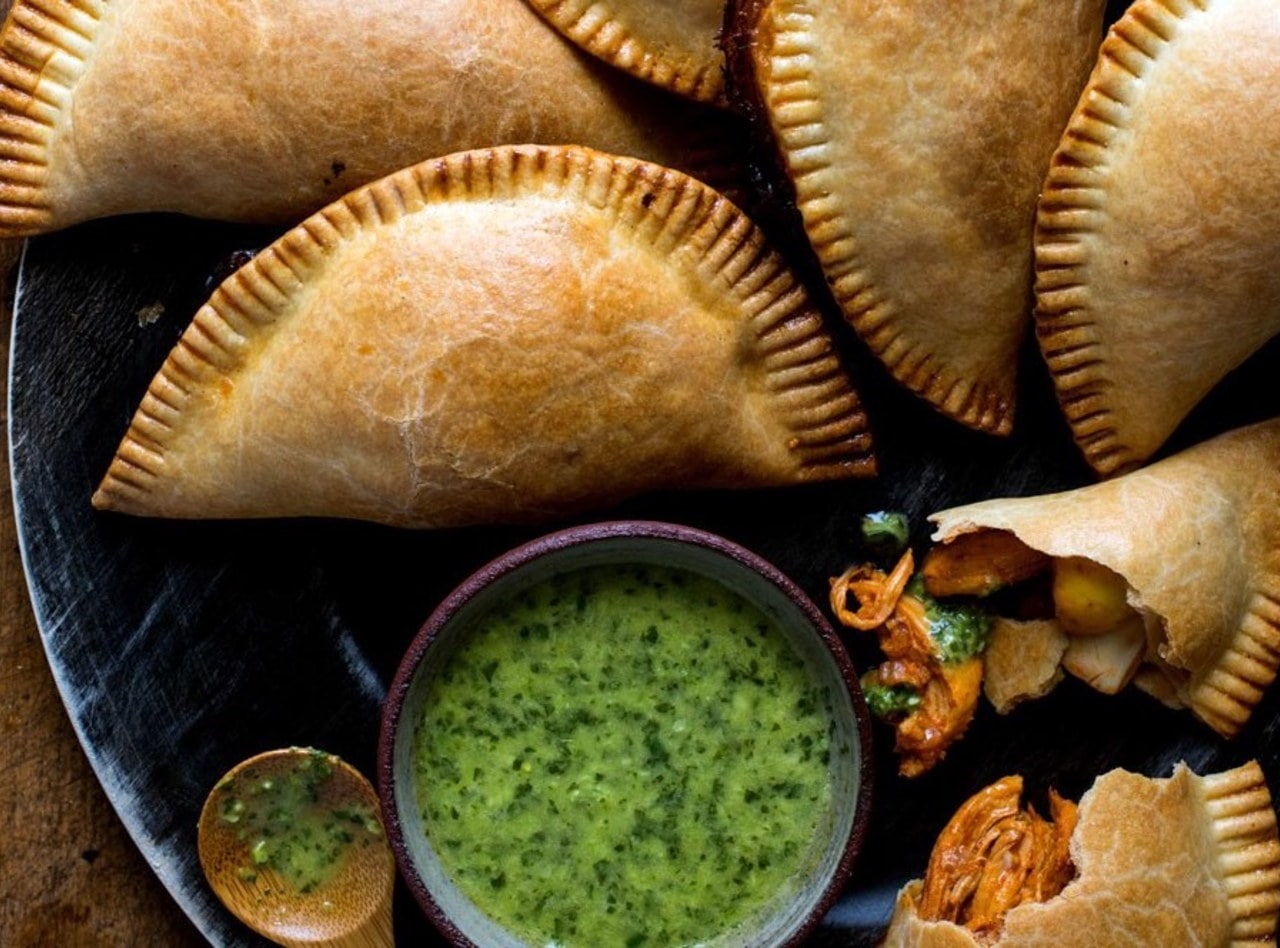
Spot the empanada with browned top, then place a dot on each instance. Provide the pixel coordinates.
(1195, 541)
(266, 112)
(496, 336)
(916, 135)
(1180, 862)
(671, 43)
(1159, 228)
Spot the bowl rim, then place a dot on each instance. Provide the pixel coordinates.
(582, 535)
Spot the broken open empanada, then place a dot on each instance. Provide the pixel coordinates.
(1180, 862)
(1159, 226)
(916, 136)
(1170, 573)
(671, 43)
(500, 335)
(267, 111)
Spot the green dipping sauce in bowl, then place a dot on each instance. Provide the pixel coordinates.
(632, 741)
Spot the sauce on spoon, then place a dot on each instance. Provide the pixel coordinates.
(292, 843)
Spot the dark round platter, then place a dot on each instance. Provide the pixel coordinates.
(183, 648)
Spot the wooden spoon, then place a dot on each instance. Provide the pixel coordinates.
(292, 842)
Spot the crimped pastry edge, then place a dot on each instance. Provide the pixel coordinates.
(596, 28)
(44, 45)
(830, 433)
(1247, 850)
(793, 101)
(1225, 695)
(1072, 203)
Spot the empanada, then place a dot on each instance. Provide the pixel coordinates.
(916, 136)
(1159, 227)
(265, 112)
(1180, 862)
(671, 43)
(1191, 544)
(500, 335)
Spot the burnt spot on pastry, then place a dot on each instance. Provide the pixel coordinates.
(336, 169)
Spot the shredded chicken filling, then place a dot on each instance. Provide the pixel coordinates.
(868, 599)
(994, 856)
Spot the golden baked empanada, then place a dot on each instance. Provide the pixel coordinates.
(268, 111)
(1180, 862)
(916, 135)
(1181, 559)
(499, 335)
(671, 43)
(1159, 226)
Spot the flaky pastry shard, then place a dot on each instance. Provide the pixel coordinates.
(265, 112)
(1180, 862)
(671, 43)
(1159, 226)
(916, 137)
(1197, 539)
(1022, 661)
(500, 335)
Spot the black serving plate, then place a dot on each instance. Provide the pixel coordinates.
(182, 648)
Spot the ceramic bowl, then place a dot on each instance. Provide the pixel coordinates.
(807, 894)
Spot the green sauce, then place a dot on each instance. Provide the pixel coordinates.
(885, 532)
(625, 756)
(961, 630)
(888, 701)
(290, 820)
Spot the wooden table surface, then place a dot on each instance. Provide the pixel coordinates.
(70, 877)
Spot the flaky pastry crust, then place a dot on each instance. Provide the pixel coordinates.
(502, 335)
(1158, 229)
(1023, 660)
(916, 138)
(266, 112)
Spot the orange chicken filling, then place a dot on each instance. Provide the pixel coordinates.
(867, 599)
(993, 856)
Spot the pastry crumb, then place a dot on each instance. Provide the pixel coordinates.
(150, 313)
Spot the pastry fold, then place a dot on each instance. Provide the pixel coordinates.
(916, 136)
(1178, 862)
(502, 335)
(671, 43)
(1159, 225)
(1197, 539)
(265, 112)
